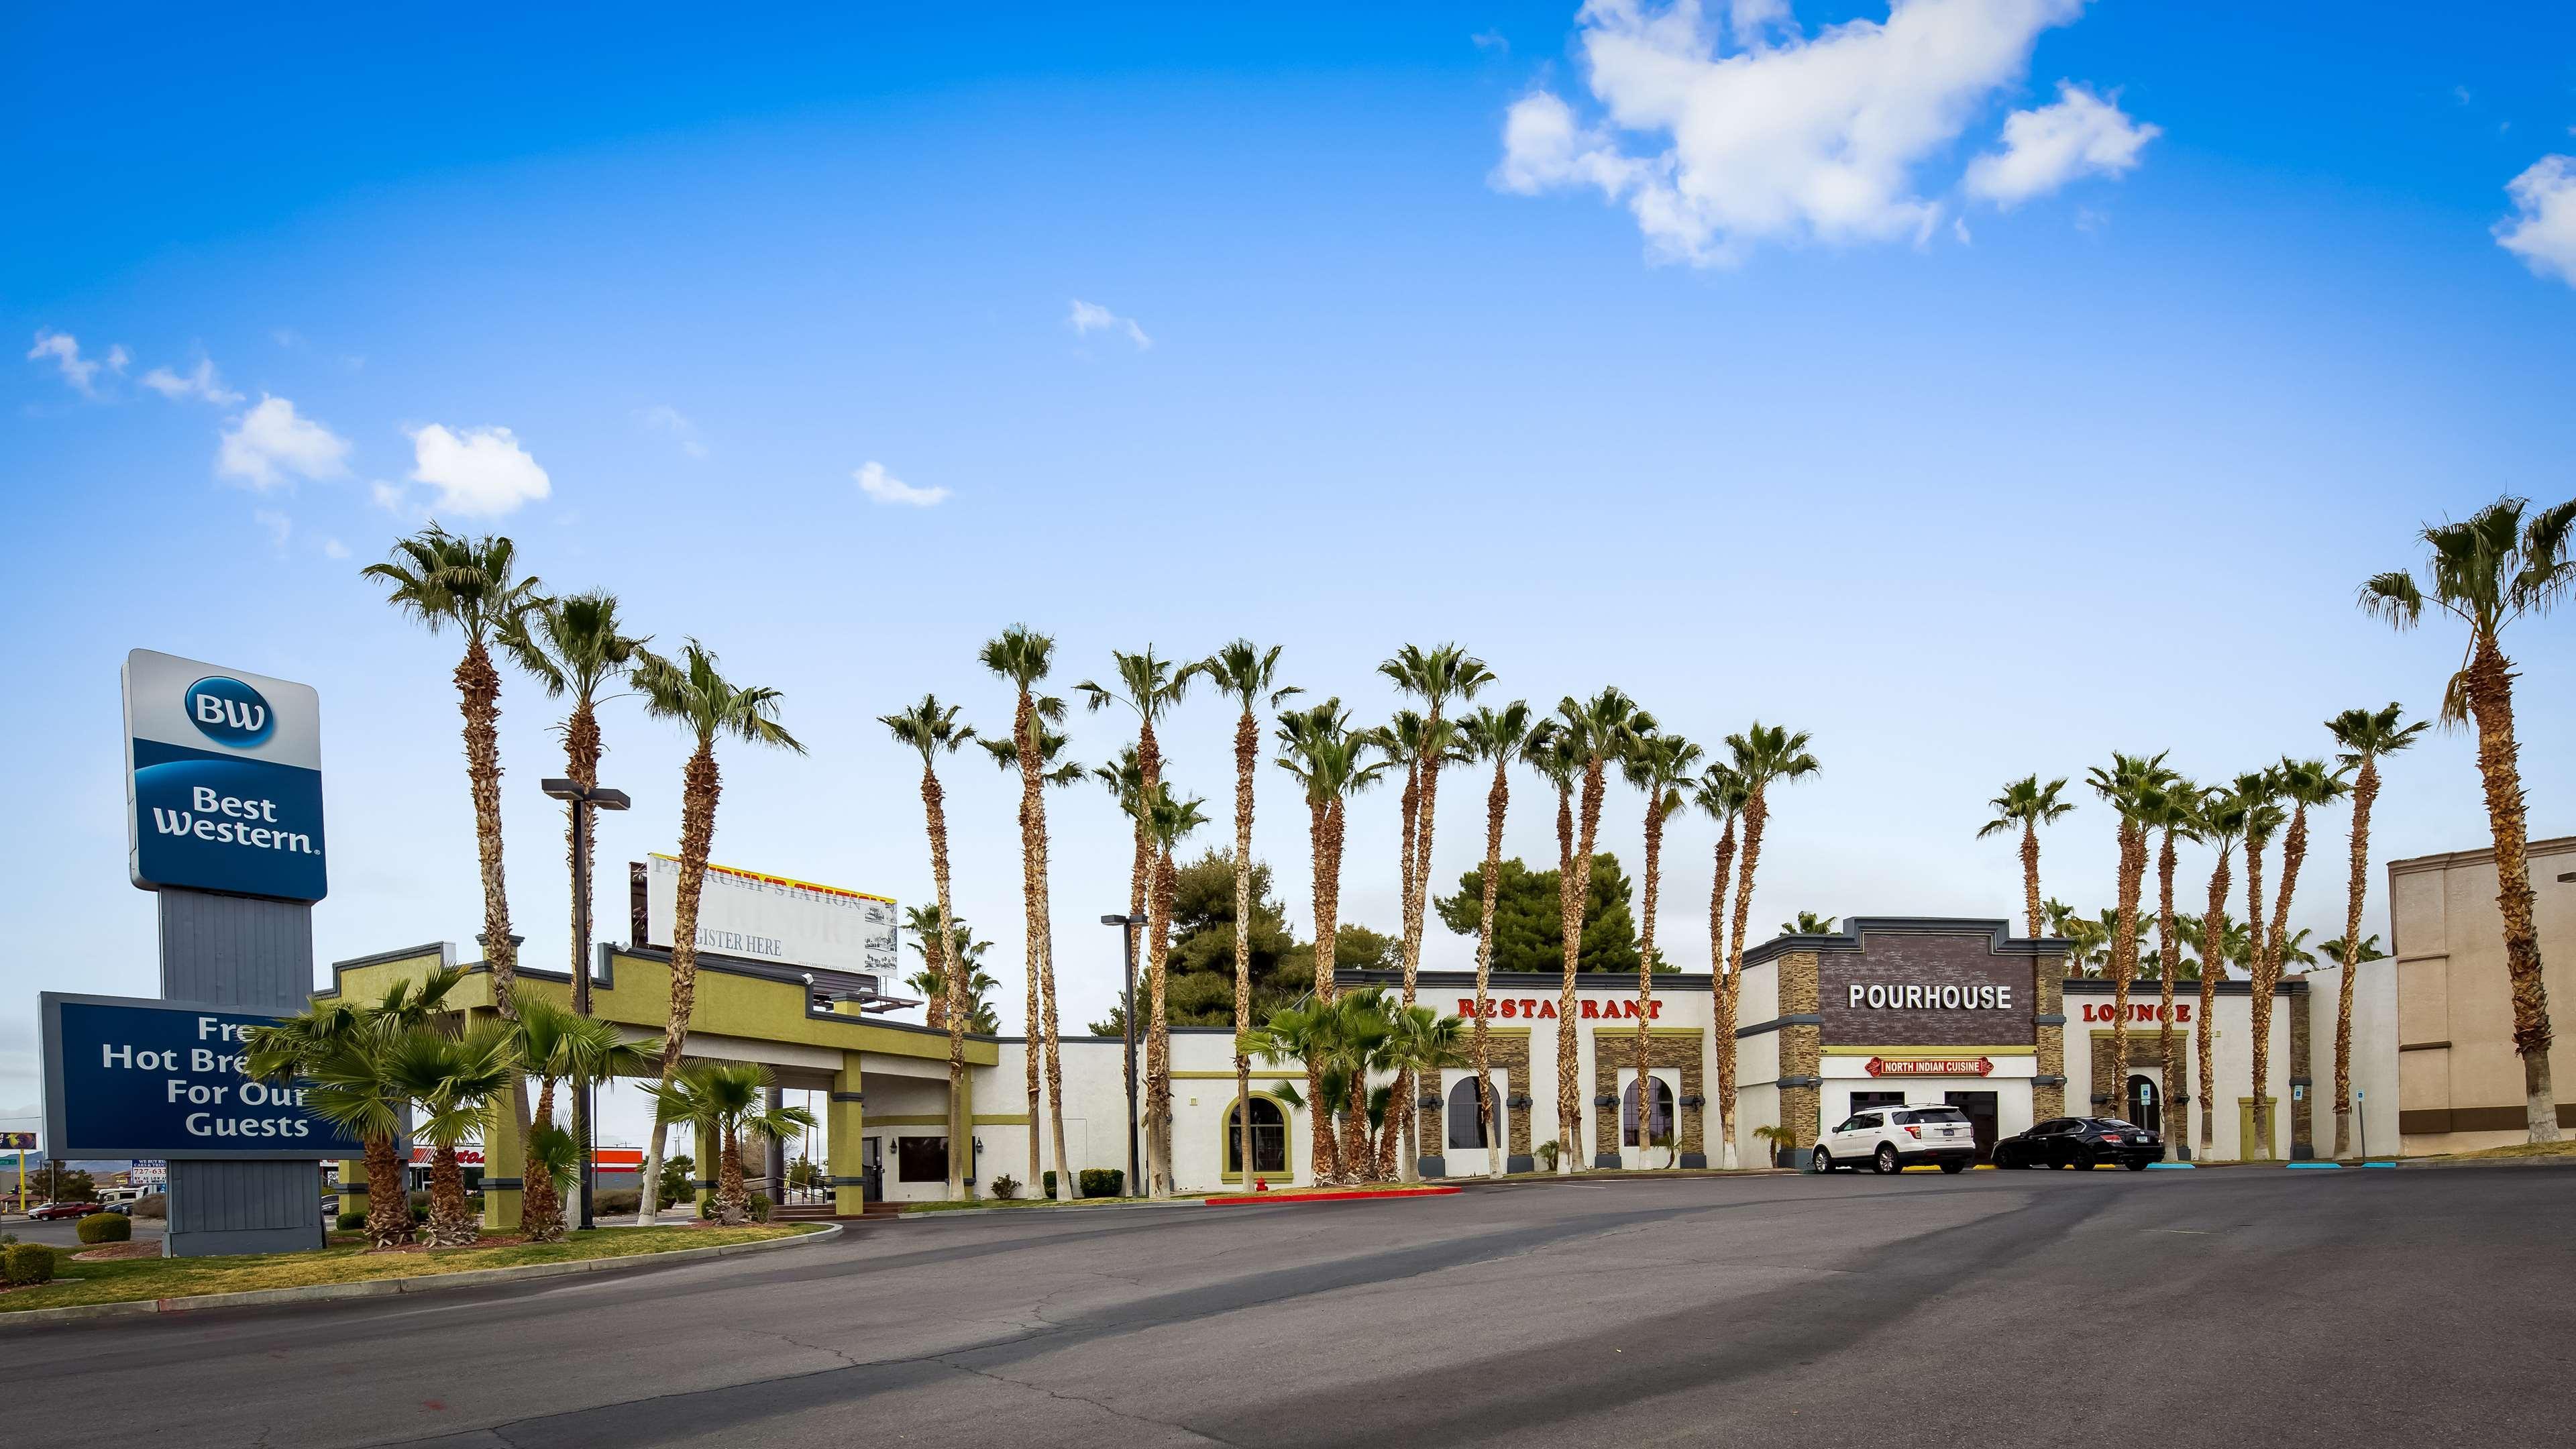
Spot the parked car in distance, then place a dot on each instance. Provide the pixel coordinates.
(1891, 1139)
(2083, 1143)
(48, 1211)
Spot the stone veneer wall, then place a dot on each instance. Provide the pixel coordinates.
(1801, 1047)
(1507, 1051)
(2048, 989)
(2303, 1142)
(1670, 1046)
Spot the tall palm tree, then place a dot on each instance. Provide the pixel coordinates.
(1339, 1040)
(1170, 820)
(1721, 795)
(1597, 731)
(2173, 809)
(1438, 677)
(1558, 752)
(1150, 686)
(694, 692)
(1659, 765)
(2304, 783)
(2365, 737)
(729, 1101)
(1502, 736)
(454, 1081)
(2488, 571)
(1249, 675)
(2025, 805)
(2222, 815)
(554, 1045)
(1762, 756)
(575, 646)
(1420, 744)
(2264, 817)
(341, 1049)
(1332, 762)
(2132, 786)
(931, 728)
(1025, 657)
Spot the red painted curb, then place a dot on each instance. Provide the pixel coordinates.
(1242, 1198)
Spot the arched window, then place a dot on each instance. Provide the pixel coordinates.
(1468, 1127)
(2145, 1104)
(1662, 1126)
(1269, 1139)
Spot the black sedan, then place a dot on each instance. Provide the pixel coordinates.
(2081, 1142)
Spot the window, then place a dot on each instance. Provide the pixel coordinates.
(1930, 1114)
(1661, 1126)
(1862, 1101)
(1859, 1122)
(2053, 1126)
(1269, 1139)
(921, 1159)
(1467, 1127)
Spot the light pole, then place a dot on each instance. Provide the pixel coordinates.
(584, 799)
(1127, 1017)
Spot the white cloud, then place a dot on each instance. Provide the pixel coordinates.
(2048, 147)
(665, 419)
(200, 382)
(81, 372)
(1088, 317)
(269, 443)
(278, 526)
(884, 487)
(478, 472)
(2543, 230)
(1493, 40)
(1785, 137)
(334, 549)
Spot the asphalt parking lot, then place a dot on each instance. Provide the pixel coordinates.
(2168, 1309)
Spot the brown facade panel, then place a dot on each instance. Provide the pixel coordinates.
(1901, 960)
(2433, 1121)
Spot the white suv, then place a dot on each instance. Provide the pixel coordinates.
(1892, 1138)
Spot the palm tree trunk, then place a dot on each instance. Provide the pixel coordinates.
(582, 751)
(540, 1202)
(1033, 836)
(1024, 741)
(388, 1202)
(1757, 814)
(2490, 699)
(2365, 791)
(478, 688)
(1569, 931)
(2260, 1006)
(1149, 773)
(2168, 962)
(2124, 956)
(1382, 1157)
(2030, 874)
(2213, 959)
(1646, 977)
(701, 785)
(2294, 851)
(733, 1204)
(1247, 754)
(1496, 801)
(451, 1222)
(1416, 909)
(1323, 1149)
(961, 1147)
(1158, 1063)
(1355, 1160)
(1719, 988)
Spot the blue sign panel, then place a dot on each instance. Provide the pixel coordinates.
(224, 780)
(164, 1079)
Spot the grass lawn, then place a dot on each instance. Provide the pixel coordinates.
(348, 1262)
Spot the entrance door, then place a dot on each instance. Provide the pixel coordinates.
(1980, 1107)
(2246, 1146)
(871, 1170)
(2145, 1104)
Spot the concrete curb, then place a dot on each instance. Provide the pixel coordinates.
(1075, 1207)
(33, 1318)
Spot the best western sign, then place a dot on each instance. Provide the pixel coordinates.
(223, 780)
(164, 1080)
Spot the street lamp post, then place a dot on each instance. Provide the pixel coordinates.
(584, 799)
(1127, 1017)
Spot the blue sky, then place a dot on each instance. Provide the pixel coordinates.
(1983, 407)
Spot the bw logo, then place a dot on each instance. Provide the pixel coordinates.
(229, 712)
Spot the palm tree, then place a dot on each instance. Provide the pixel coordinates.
(340, 1050)
(692, 691)
(1025, 658)
(2365, 736)
(729, 1101)
(2489, 571)
(1169, 820)
(2260, 790)
(1809, 923)
(2221, 815)
(932, 979)
(1150, 687)
(2131, 785)
(1596, 731)
(2303, 783)
(1557, 752)
(1659, 765)
(554, 1045)
(1339, 1040)
(1420, 744)
(1721, 795)
(2342, 955)
(932, 729)
(2173, 808)
(1423, 1042)
(1249, 674)
(453, 1080)
(1331, 761)
(1762, 756)
(1502, 736)
(1437, 677)
(575, 647)
(2026, 805)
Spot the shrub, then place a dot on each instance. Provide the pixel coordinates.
(625, 1202)
(22, 1264)
(1103, 1182)
(106, 1228)
(760, 1207)
(1006, 1187)
(351, 1222)
(1547, 1154)
(153, 1208)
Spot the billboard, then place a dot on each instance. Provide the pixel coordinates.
(772, 918)
(163, 1080)
(223, 780)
